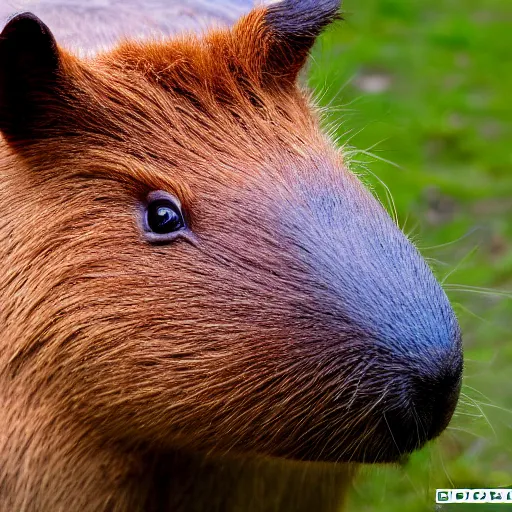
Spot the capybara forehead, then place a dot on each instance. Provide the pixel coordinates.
(219, 76)
(196, 107)
(224, 103)
(224, 73)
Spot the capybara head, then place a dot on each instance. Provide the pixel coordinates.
(188, 262)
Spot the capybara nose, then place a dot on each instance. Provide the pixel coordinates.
(436, 389)
(429, 398)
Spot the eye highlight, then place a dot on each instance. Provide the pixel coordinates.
(162, 217)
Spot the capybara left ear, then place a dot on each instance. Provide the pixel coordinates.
(29, 69)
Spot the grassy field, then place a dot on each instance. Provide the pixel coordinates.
(420, 94)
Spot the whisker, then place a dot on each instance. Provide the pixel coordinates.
(447, 244)
(394, 441)
(494, 406)
(478, 290)
(381, 159)
(456, 267)
(459, 429)
(483, 414)
(483, 320)
(444, 469)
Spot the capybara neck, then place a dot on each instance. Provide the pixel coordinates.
(46, 465)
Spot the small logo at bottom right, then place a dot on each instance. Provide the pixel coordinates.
(474, 496)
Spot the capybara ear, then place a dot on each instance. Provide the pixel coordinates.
(29, 69)
(283, 34)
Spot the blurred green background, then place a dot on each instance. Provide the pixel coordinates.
(420, 95)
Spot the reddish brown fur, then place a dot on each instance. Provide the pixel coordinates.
(286, 325)
(102, 375)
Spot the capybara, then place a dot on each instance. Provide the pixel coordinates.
(202, 308)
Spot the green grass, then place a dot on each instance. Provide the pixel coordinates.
(420, 93)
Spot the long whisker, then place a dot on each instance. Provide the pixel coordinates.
(447, 244)
(478, 290)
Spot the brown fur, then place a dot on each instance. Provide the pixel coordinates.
(178, 377)
(89, 417)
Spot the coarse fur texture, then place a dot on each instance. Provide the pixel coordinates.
(290, 331)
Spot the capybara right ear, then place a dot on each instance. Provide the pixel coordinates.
(276, 40)
(29, 69)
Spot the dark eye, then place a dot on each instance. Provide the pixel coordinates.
(164, 217)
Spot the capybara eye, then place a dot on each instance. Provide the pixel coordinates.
(163, 216)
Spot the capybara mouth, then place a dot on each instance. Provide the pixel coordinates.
(414, 405)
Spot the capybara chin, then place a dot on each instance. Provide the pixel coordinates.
(202, 308)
